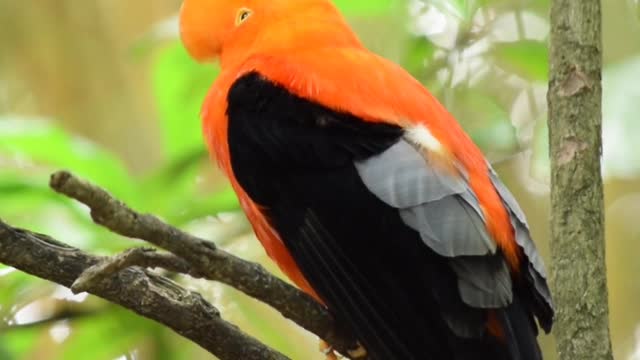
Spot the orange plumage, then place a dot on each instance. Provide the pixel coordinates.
(307, 48)
(332, 67)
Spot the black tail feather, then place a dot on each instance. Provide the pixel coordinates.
(517, 343)
(520, 331)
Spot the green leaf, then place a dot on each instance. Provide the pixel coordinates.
(4, 351)
(180, 86)
(188, 199)
(30, 151)
(526, 58)
(18, 344)
(105, 336)
(541, 6)
(50, 148)
(486, 121)
(28, 202)
(419, 52)
(365, 8)
(170, 346)
(32, 187)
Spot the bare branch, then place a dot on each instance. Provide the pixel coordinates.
(142, 257)
(208, 261)
(147, 294)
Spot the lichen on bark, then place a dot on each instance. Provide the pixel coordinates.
(578, 270)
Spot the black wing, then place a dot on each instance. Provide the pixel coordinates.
(413, 274)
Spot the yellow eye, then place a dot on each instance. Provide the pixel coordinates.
(243, 14)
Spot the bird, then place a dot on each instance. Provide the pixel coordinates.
(363, 188)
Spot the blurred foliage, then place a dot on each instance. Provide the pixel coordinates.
(132, 125)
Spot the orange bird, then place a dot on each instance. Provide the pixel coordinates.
(363, 188)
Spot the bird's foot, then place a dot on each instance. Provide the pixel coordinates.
(358, 353)
(327, 350)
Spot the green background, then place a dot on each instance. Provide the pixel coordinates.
(104, 89)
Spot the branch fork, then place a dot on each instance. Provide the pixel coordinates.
(124, 279)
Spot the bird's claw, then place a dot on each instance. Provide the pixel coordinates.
(358, 353)
(327, 350)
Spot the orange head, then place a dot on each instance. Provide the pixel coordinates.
(235, 29)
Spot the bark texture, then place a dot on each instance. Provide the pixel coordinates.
(122, 279)
(577, 204)
(147, 294)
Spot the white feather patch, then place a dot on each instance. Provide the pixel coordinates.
(422, 137)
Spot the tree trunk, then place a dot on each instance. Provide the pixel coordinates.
(577, 201)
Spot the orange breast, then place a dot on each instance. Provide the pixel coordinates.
(215, 130)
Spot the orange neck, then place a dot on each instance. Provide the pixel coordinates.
(314, 25)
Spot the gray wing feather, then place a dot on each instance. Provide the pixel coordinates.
(519, 223)
(471, 199)
(450, 227)
(400, 178)
(444, 210)
(483, 282)
(446, 213)
(507, 197)
(523, 238)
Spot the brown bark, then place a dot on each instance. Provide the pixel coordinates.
(578, 269)
(120, 280)
(149, 295)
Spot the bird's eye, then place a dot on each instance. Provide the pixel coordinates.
(243, 14)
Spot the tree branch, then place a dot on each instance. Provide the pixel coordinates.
(49, 259)
(149, 295)
(208, 260)
(141, 257)
(578, 269)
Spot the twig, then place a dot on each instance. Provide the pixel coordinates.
(147, 294)
(208, 260)
(142, 257)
